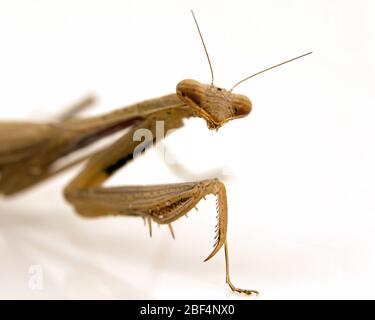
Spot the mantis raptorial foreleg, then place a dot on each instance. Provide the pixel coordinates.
(162, 204)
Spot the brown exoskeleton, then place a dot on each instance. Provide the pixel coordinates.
(31, 152)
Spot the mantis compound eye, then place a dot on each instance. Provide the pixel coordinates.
(241, 105)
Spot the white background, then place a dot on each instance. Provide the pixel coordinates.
(300, 169)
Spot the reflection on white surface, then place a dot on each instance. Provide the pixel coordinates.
(302, 176)
(66, 253)
(114, 258)
(82, 258)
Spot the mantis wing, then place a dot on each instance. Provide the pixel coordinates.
(18, 140)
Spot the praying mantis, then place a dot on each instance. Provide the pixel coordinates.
(32, 152)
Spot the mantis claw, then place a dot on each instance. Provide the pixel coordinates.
(218, 246)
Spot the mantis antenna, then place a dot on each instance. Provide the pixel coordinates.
(204, 46)
(275, 66)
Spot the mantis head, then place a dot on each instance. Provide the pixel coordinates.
(216, 105)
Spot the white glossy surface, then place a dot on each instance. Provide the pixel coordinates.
(301, 166)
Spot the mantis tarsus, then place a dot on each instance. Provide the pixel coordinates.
(29, 153)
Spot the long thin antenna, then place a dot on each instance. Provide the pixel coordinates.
(275, 66)
(204, 46)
